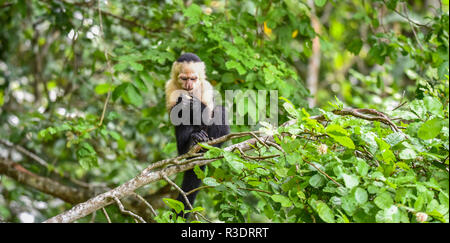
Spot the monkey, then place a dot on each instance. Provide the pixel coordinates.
(189, 96)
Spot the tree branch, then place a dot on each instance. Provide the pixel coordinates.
(123, 210)
(178, 164)
(43, 184)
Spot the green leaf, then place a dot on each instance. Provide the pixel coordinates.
(199, 172)
(114, 135)
(361, 195)
(196, 209)
(85, 163)
(212, 152)
(350, 180)
(325, 213)
(102, 88)
(119, 67)
(433, 105)
(297, 7)
(119, 90)
(141, 85)
(234, 161)
(390, 214)
(169, 148)
(174, 204)
(320, 3)
(407, 154)
(317, 181)
(388, 156)
(281, 172)
(228, 78)
(384, 200)
(88, 147)
(285, 202)
(375, 54)
(355, 46)
(136, 66)
(339, 134)
(236, 65)
(133, 96)
(345, 141)
(349, 204)
(290, 109)
(362, 167)
(392, 4)
(88, 162)
(209, 181)
(418, 108)
(193, 12)
(336, 130)
(394, 138)
(430, 129)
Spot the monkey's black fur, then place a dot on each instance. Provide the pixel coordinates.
(189, 57)
(189, 135)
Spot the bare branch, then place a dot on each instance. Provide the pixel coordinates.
(123, 210)
(412, 27)
(106, 215)
(408, 19)
(323, 173)
(181, 192)
(43, 184)
(24, 151)
(146, 203)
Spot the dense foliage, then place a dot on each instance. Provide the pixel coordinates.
(81, 86)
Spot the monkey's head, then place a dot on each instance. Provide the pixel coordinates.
(188, 71)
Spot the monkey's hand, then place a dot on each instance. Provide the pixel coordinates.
(199, 137)
(184, 100)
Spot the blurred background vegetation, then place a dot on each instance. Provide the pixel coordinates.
(81, 82)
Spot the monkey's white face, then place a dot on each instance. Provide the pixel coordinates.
(188, 77)
(187, 80)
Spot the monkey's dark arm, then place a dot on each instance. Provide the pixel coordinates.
(187, 136)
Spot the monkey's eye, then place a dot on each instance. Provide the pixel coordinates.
(184, 78)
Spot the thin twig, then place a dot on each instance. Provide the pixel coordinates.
(93, 217)
(196, 214)
(198, 189)
(24, 151)
(242, 153)
(102, 35)
(182, 193)
(400, 102)
(259, 140)
(146, 203)
(254, 189)
(123, 210)
(408, 19)
(106, 215)
(323, 173)
(276, 146)
(360, 113)
(400, 105)
(412, 27)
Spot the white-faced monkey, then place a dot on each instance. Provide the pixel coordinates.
(190, 102)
